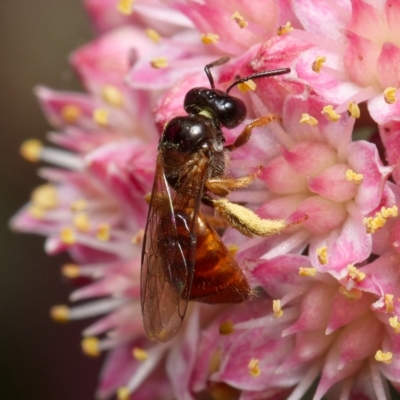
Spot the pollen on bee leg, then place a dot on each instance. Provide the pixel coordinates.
(60, 314)
(355, 273)
(354, 110)
(395, 324)
(31, 150)
(103, 232)
(244, 87)
(386, 358)
(318, 63)
(329, 113)
(322, 254)
(352, 295)
(100, 116)
(70, 113)
(308, 119)
(242, 23)
(254, 369)
(71, 271)
(209, 38)
(159, 62)
(67, 236)
(125, 7)
(91, 346)
(140, 354)
(276, 308)
(389, 303)
(284, 29)
(112, 96)
(226, 328)
(153, 35)
(352, 176)
(138, 238)
(307, 271)
(389, 95)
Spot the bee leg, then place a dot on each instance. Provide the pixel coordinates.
(244, 137)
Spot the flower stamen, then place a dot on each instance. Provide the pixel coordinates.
(112, 96)
(247, 86)
(125, 7)
(209, 38)
(322, 254)
(67, 236)
(355, 274)
(276, 308)
(389, 95)
(226, 328)
(45, 196)
(138, 238)
(71, 271)
(81, 222)
(100, 116)
(159, 62)
(242, 23)
(254, 369)
(31, 150)
(352, 176)
(389, 303)
(318, 64)
(91, 346)
(103, 232)
(386, 358)
(307, 271)
(329, 113)
(78, 205)
(375, 223)
(140, 354)
(153, 35)
(284, 29)
(352, 295)
(354, 109)
(395, 324)
(60, 314)
(71, 113)
(308, 119)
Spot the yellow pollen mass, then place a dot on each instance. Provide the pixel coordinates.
(140, 354)
(159, 62)
(81, 222)
(60, 314)
(329, 113)
(67, 236)
(103, 232)
(352, 176)
(318, 64)
(100, 116)
(389, 95)
(276, 308)
(386, 358)
(247, 86)
(308, 119)
(390, 212)
(355, 274)
(209, 38)
(254, 369)
(91, 346)
(352, 295)
(242, 23)
(395, 324)
(71, 271)
(45, 196)
(123, 393)
(153, 35)
(307, 271)
(70, 113)
(284, 29)
(375, 223)
(112, 96)
(322, 254)
(125, 7)
(226, 328)
(389, 303)
(31, 149)
(78, 205)
(354, 110)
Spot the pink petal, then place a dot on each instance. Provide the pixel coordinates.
(366, 20)
(389, 66)
(382, 112)
(390, 135)
(392, 13)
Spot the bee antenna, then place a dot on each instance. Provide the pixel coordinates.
(258, 75)
(220, 61)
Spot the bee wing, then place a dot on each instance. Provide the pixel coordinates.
(169, 250)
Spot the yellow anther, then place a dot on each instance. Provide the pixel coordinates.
(153, 35)
(100, 116)
(31, 150)
(307, 271)
(308, 119)
(209, 38)
(91, 346)
(352, 295)
(352, 176)
(384, 357)
(284, 29)
(125, 7)
(254, 369)
(242, 23)
(71, 271)
(60, 314)
(112, 96)
(322, 254)
(140, 354)
(67, 236)
(103, 232)
(355, 273)
(395, 324)
(389, 303)
(138, 238)
(123, 393)
(36, 211)
(81, 222)
(70, 113)
(247, 86)
(375, 223)
(159, 62)
(45, 196)
(354, 110)
(226, 328)
(233, 249)
(389, 95)
(318, 64)
(78, 205)
(276, 308)
(215, 361)
(329, 113)
(389, 212)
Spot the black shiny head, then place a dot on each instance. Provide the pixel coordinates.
(220, 106)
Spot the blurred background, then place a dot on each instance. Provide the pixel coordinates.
(40, 360)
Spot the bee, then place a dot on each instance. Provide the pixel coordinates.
(183, 257)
